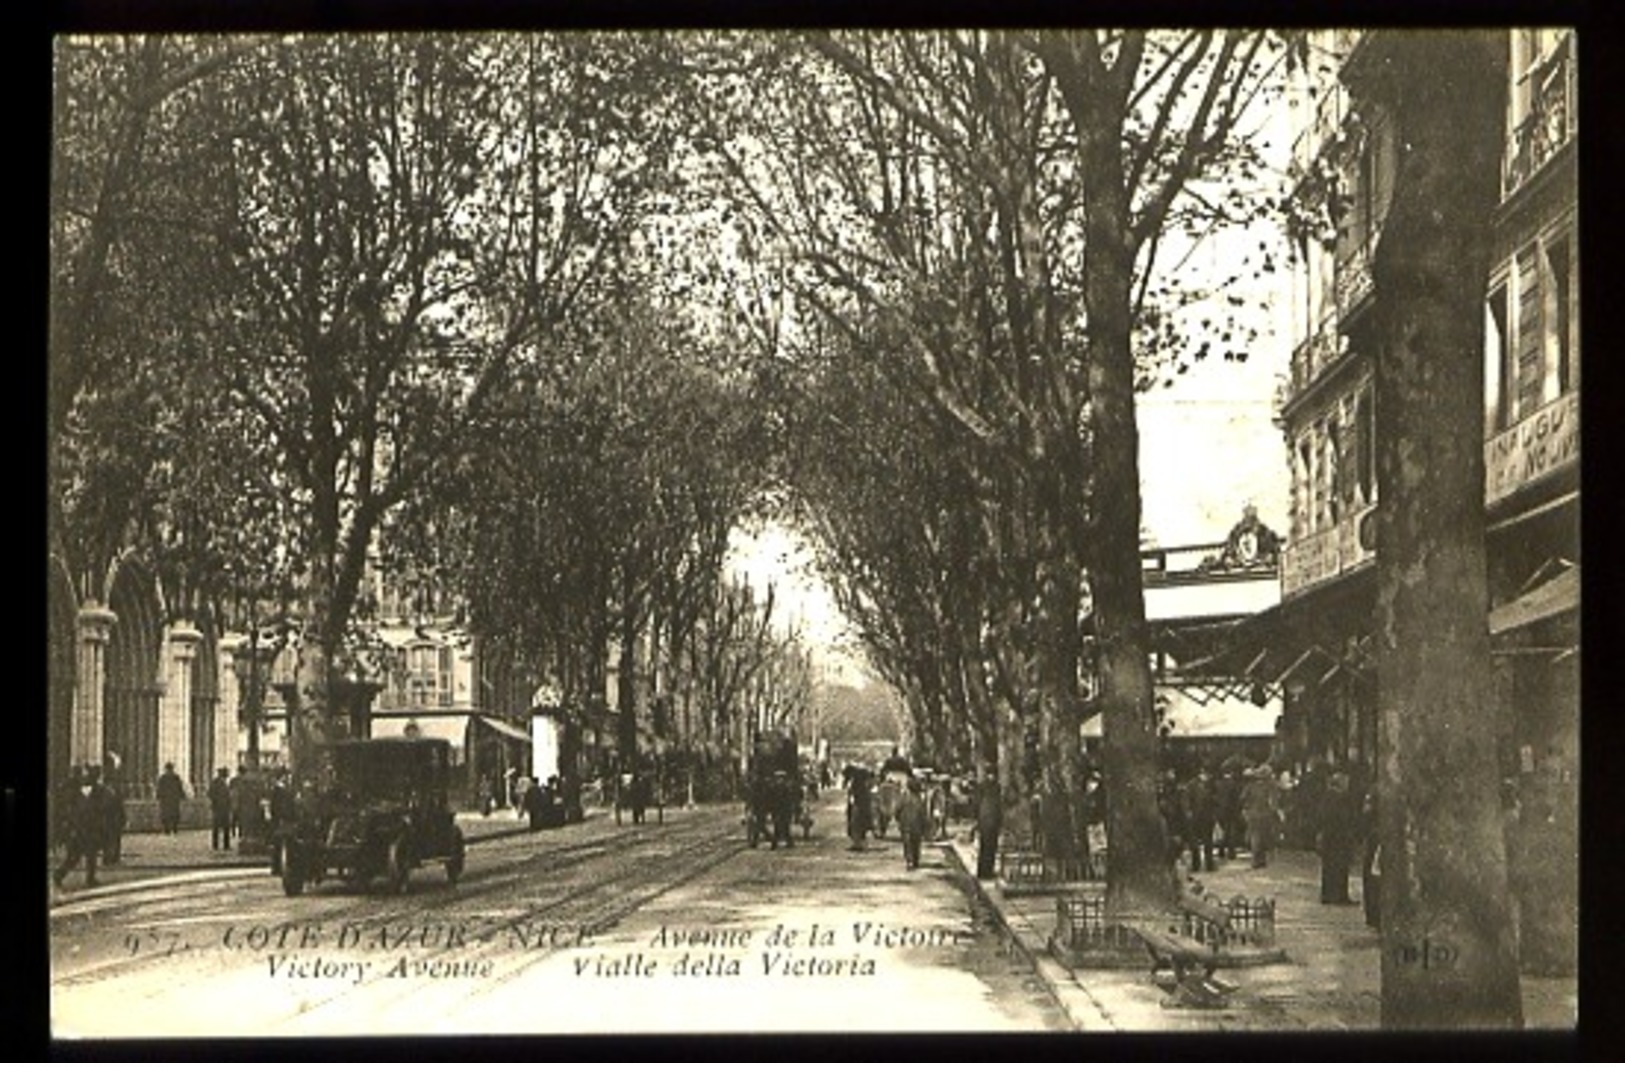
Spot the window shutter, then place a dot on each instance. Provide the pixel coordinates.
(1530, 340)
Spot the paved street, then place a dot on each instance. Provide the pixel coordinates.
(591, 928)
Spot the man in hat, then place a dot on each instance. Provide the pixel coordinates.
(220, 810)
(912, 820)
(1260, 806)
(171, 791)
(86, 823)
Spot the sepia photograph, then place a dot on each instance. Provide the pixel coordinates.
(587, 532)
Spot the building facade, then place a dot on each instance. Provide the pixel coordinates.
(1317, 646)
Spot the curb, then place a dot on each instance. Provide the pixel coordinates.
(1055, 977)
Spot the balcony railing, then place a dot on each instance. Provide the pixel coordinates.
(1551, 121)
(1353, 283)
(1314, 354)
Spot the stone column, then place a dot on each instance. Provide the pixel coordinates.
(175, 709)
(228, 713)
(95, 630)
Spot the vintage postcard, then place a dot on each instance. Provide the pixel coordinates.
(703, 531)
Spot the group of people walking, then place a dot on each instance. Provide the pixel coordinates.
(91, 815)
(907, 799)
(90, 823)
(1212, 814)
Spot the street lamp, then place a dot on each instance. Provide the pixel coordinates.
(250, 661)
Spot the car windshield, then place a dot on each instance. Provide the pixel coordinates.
(386, 771)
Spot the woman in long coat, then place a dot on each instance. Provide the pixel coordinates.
(1339, 832)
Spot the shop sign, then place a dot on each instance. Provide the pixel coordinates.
(1331, 552)
(1538, 445)
(1311, 560)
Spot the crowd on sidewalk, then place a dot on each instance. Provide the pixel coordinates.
(90, 822)
(1217, 813)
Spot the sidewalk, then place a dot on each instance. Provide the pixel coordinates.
(150, 859)
(1330, 981)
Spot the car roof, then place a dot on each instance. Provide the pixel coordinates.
(359, 742)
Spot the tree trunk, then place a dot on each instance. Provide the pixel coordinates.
(1449, 948)
(1060, 740)
(1139, 875)
(626, 697)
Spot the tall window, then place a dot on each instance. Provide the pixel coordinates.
(1303, 522)
(1555, 310)
(1531, 345)
(423, 675)
(1309, 504)
(1365, 446)
(1334, 471)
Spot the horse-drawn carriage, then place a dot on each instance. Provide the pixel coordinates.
(637, 789)
(774, 793)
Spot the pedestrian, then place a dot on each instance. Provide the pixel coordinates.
(1227, 801)
(114, 819)
(86, 821)
(171, 791)
(1173, 814)
(220, 811)
(521, 793)
(1339, 831)
(283, 816)
(1198, 813)
(1260, 805)
(989, 822)
(533, 805)
(239, 802)
(1304, 805)
(912, 821)
(67, 803)
(1370, 864)
(860, 812)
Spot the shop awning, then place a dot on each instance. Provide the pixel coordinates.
(1222, 716)
(506, 729)
(1552, 597)
(445, 727)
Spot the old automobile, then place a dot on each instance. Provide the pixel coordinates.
(383, 812)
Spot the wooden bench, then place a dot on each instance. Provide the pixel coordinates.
(1172, 951)
(1206, 921)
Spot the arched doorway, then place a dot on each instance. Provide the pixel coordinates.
(133, 691)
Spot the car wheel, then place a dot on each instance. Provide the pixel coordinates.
(293, 875)
(398, 866)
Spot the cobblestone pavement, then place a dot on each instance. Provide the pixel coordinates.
(1329, 982)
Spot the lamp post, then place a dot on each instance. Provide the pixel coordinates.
(250, 661)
